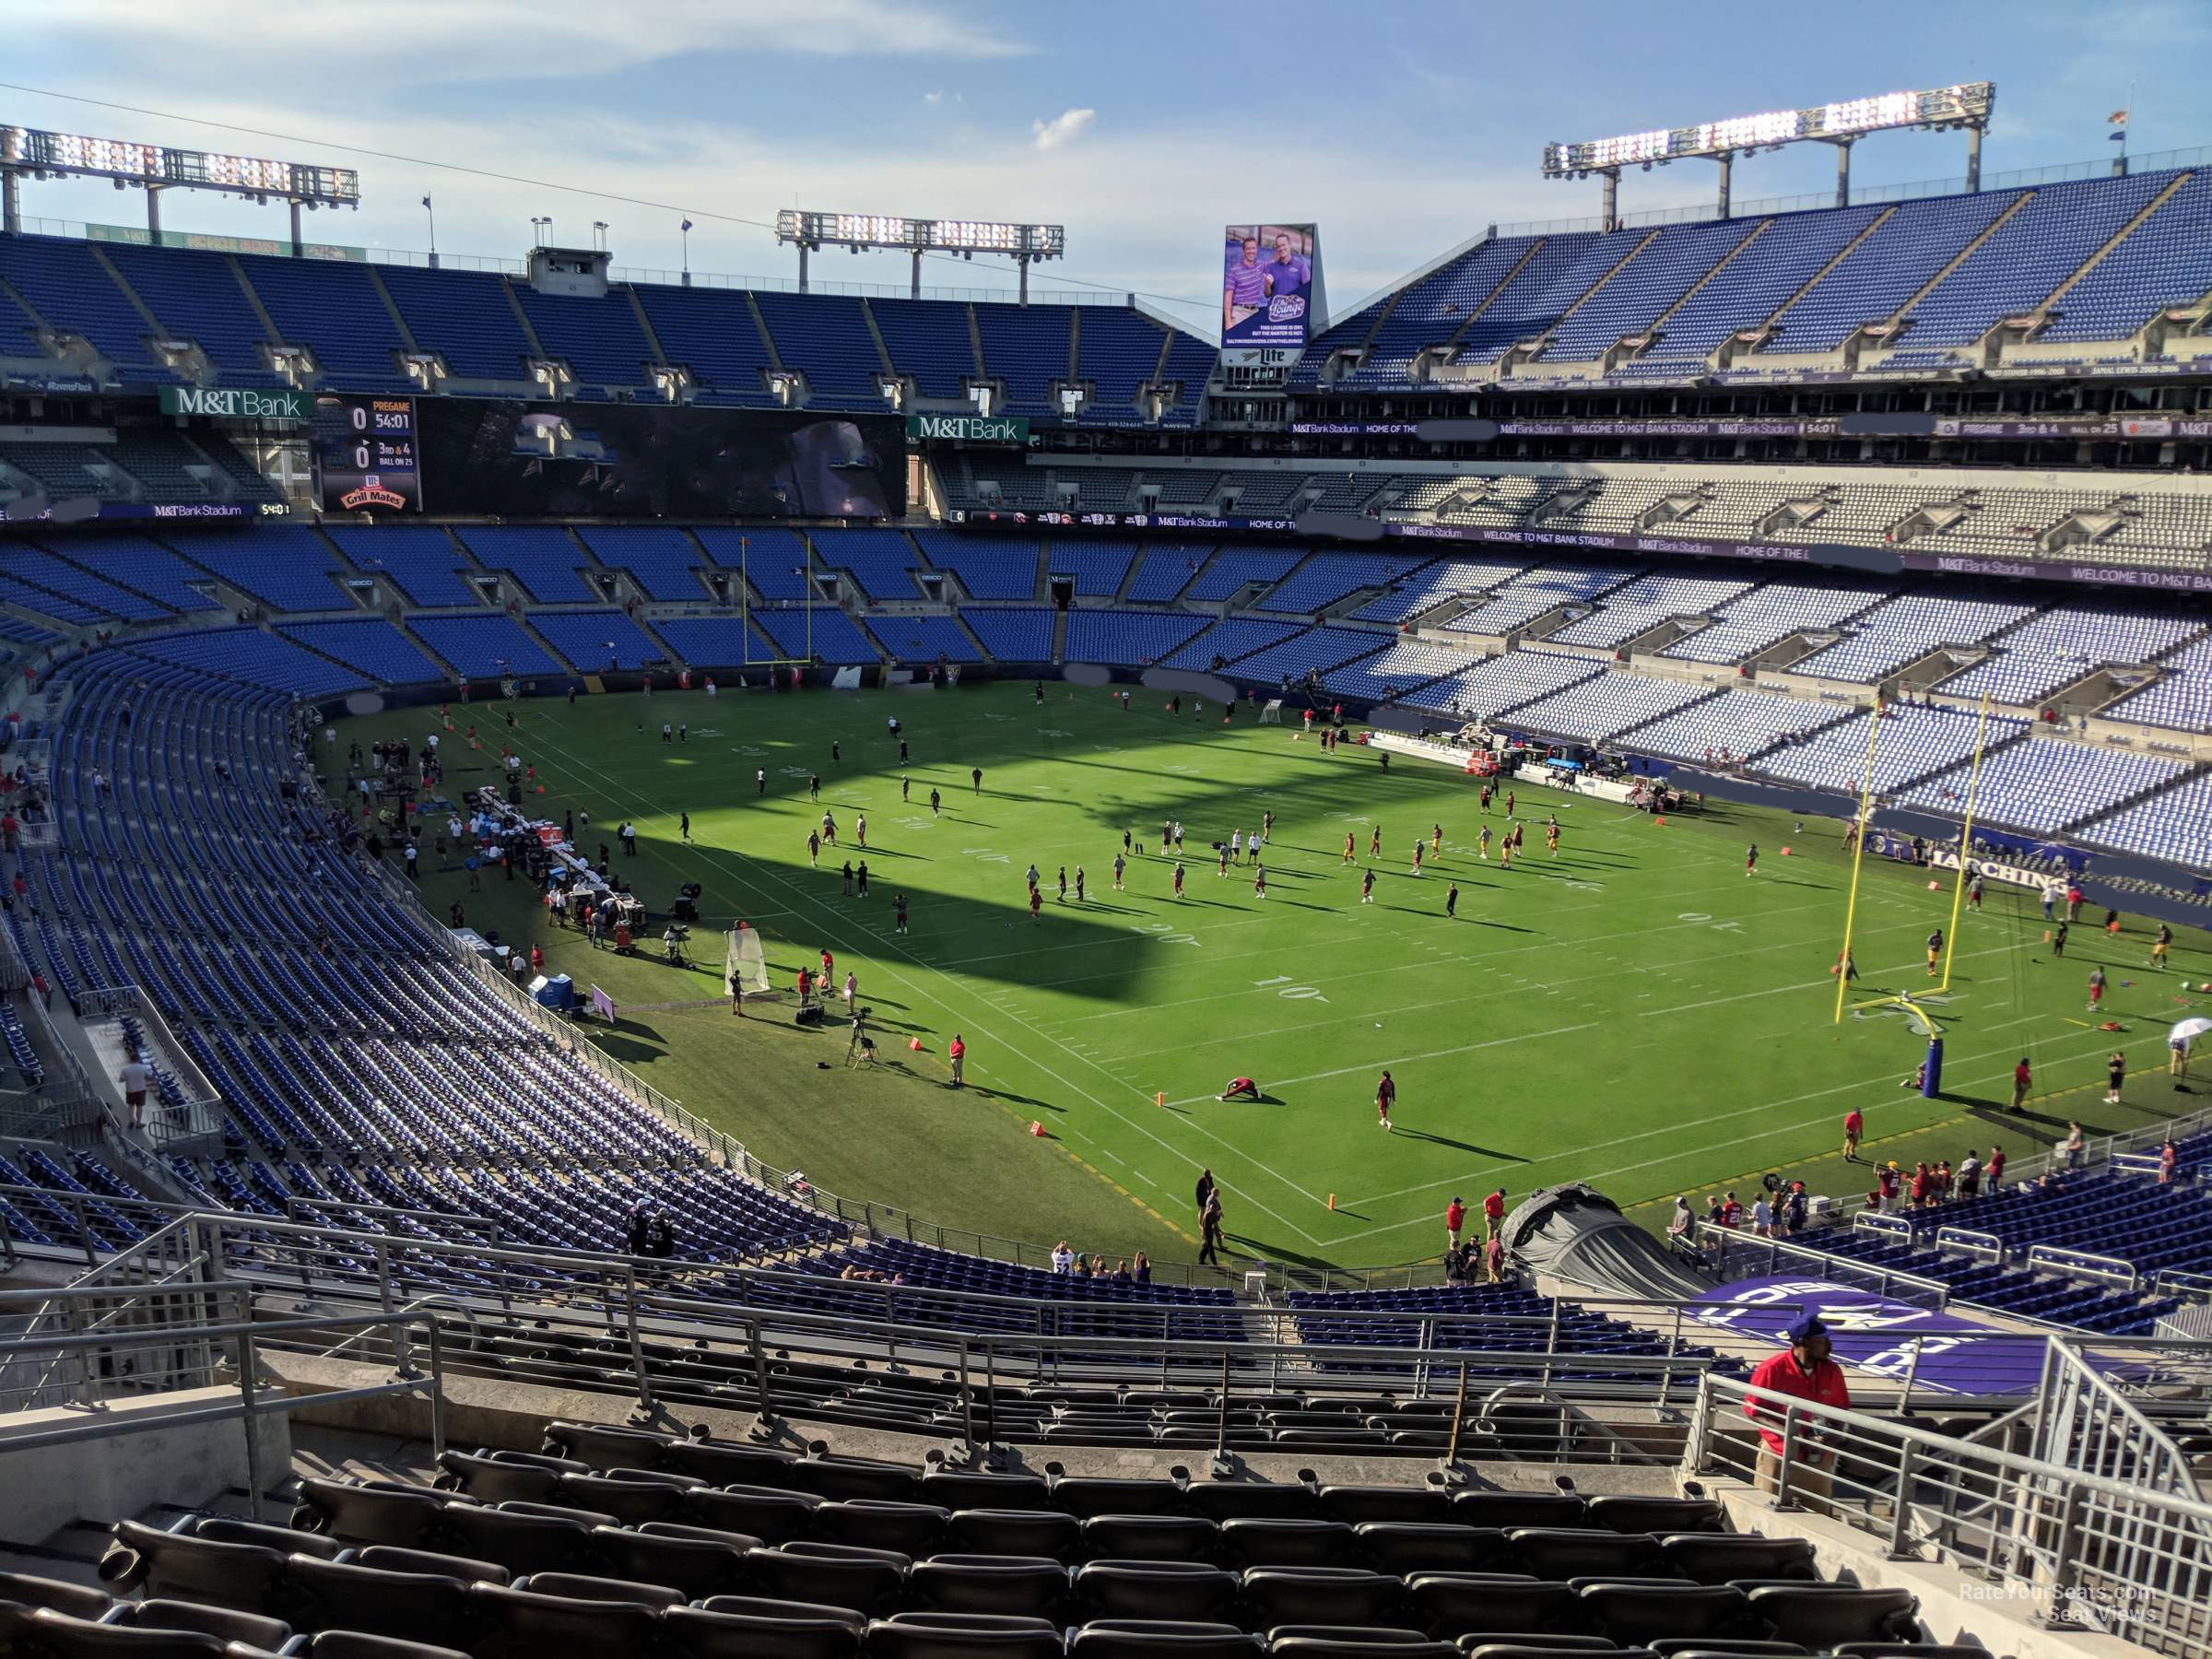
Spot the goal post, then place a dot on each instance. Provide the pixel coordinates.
(1271, 713)
(744, 960)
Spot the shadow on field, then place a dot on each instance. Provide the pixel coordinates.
(1446, 1140)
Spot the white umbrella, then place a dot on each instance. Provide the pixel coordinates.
(2189, 1030)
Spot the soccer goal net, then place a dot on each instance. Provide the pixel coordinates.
(744, 960)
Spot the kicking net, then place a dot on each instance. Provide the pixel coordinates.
(743, 960)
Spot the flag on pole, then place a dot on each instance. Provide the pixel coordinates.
(2117, 119)
(687, 224)
(426, 201)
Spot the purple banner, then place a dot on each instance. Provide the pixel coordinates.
(2145, 429)
(151, 510)
(1878, 1334)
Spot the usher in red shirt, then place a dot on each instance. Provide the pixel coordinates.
(1782, 1374)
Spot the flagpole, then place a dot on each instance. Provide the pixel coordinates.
(431, 213)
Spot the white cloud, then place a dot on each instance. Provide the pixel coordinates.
(1063, 128)
(932, 98)
(451, 39)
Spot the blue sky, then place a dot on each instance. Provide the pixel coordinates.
(1400, 129)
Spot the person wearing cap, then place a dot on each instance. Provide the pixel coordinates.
(1493, 1213)
(1805, 1372)
(1455, 1217)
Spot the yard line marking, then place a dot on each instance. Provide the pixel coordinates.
(761, 875)
(1668, 1129)
(1465, 1047)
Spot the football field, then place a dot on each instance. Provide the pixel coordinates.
(1637, 1013)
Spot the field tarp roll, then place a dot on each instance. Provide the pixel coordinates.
(1575, 1232)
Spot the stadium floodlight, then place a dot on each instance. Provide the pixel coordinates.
(154, 167)
(864, 233)
(1965, 107)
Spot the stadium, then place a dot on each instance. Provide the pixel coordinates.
(710, 966)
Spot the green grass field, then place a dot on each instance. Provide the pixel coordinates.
(1637, 1013)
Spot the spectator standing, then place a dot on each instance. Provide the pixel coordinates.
(134, 1075)
(1993, 1173)
(1494, 1214)
(1762, 1217)
(2169, 1156)
(1805, 1371)
(1969, 1175)
(1210, 1227)
(1681, 1226)
(2074, 1146)
(1493, 1259)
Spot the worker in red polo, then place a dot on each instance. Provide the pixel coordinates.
(1455, 1217)
(1493, 1213)
(1805, 1371)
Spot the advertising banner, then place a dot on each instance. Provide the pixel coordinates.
(1269, 287)
(235, 403)
(970, 429)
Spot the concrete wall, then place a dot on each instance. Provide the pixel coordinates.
(153, 1460)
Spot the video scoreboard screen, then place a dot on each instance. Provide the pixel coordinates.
(365, 454)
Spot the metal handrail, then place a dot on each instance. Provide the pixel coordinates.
(241, 1337)
(2083, 1546)
(1819, 1263)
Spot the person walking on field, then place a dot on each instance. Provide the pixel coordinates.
(2096, 987)
(1209, 1229)
(1203, 1191)
(1854, 1125)
(2023, 1079)
(1386, 1094)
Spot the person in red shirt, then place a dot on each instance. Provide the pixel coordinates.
(1386, 1095)
(1805, 1372)
(805, 985)
(1455, 1217)
(1732, 1211)
(1924, 1184)
(2169, 1156)
(1493, 1213)
(2022, 1080)
(956, 1052)
(1242, 1085)
(1994, 1171)
(1854, 1125)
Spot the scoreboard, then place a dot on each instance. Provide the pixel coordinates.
(365, 454)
